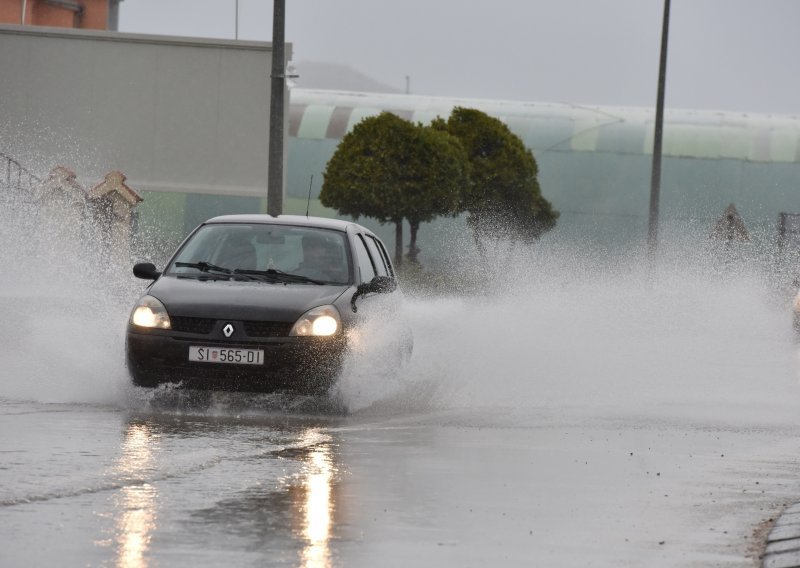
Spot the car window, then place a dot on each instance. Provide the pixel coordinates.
(201, 247)
(319, 254)
(365, 265)
(385, 256)
(380, 262)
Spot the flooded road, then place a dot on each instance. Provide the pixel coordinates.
(100, 486)
(578, 413)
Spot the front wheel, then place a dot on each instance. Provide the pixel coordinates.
(145, 379)
(316, 382)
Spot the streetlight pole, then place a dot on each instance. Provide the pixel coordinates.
(655, 179)
(278, 85)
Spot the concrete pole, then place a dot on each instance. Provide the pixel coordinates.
(275, 175)
(113, 15)
(655, 179)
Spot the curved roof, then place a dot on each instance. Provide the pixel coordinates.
(556, 127)
(300, 220)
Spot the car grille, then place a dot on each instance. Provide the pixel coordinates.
(192, 325)
(204, 326)
(267, 328)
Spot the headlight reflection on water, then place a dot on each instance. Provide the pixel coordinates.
(136, 505)
(318, 505)
(136, 509)
(135, 525)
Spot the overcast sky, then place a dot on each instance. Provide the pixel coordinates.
(738, 55)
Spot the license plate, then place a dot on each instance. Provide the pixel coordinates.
(226, 355)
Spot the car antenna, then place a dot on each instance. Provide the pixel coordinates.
(308, 204)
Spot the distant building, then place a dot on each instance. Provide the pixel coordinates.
(187, 120)
(77, 14)
(594, 162)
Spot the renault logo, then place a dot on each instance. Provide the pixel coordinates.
(228, 330)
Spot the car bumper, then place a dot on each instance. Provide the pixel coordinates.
(296, 363)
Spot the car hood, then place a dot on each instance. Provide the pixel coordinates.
(252, 301)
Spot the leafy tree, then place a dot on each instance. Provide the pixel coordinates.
(390, 169)
(503, 199)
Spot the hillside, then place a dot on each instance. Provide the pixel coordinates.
(321, 75)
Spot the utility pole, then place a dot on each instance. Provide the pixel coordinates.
(655, 179)
(278, 85)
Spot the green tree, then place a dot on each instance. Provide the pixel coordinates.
(390, 169)
(504, 199)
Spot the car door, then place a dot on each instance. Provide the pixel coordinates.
(383, 312)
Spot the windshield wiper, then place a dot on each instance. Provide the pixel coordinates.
(278, 275)
(203, 266)
(204, 277)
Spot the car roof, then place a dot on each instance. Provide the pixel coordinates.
(298, 220)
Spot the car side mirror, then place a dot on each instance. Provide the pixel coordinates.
(146, 271)
(378, 285)
(381, 284)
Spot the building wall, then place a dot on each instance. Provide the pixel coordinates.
(93, 16)
(11, 12)
(179, 116)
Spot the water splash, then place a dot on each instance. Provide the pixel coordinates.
(551, 326)
(65, 299)
(566, 326)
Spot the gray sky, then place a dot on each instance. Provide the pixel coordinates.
(735, 55)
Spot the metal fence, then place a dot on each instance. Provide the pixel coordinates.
(16, 181)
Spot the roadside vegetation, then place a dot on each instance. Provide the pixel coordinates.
(503, 200)
(392, 170)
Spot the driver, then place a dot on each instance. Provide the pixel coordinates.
(322, 259)
(239, 252)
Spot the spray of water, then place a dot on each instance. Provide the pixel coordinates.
(65, 297)
(702, 328)
(550, 326)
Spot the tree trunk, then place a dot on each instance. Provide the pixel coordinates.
(478, 238)
(412, 246)
(398, 243)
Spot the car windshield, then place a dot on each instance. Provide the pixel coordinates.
(266, 253)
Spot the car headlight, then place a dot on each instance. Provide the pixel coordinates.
(150, 312)
(320, 322)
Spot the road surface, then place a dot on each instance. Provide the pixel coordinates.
(577, 413)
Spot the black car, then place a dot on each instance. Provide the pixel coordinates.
(255, 302)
